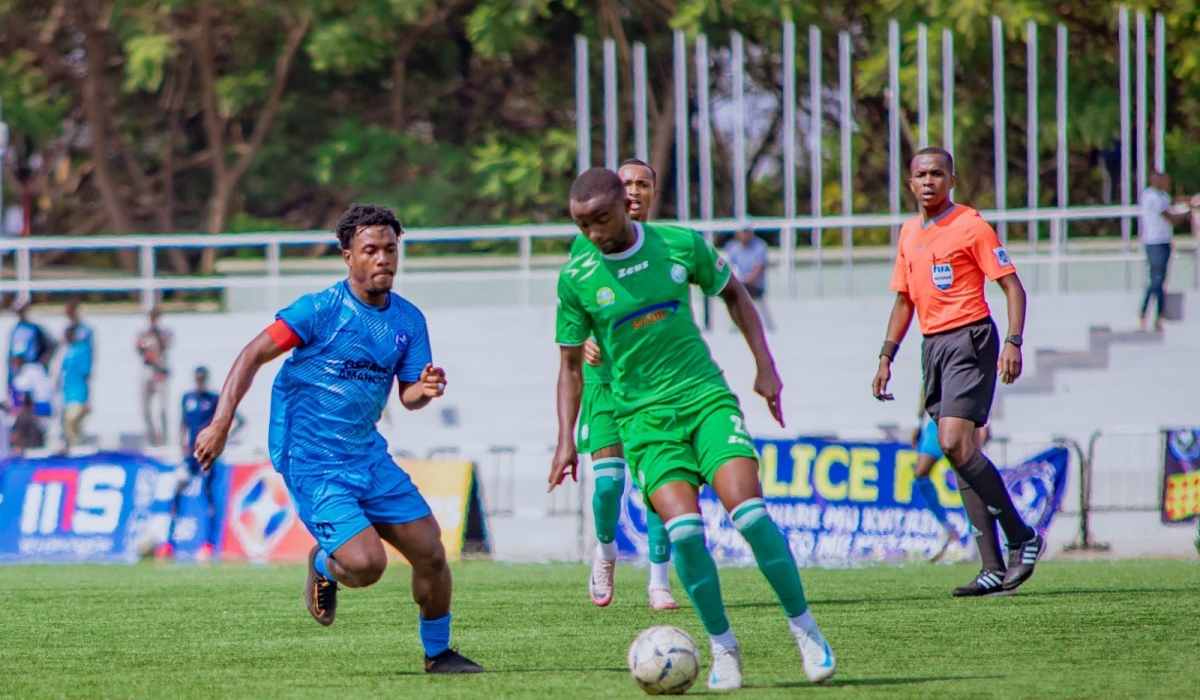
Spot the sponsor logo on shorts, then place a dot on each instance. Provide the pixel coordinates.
(649, 315)
(605, 296)
(943, 275)
(678, 273)
(1002, 256)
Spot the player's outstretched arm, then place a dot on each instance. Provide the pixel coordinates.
(210, 443)
(1010, 355)
(898, 322)
(767, 383)
(417, 395)
(570, 393)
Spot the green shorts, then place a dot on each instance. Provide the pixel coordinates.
(691, 444)
(597, 424)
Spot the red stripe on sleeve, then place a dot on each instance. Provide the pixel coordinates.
(283, 335)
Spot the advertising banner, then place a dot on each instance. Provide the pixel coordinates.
(1181, 476)
(108, 506)
(840, 503)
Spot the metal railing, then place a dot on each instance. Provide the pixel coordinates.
(149, 284)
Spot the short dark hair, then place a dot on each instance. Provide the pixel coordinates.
(359, 215)
(644, 164)
(596, 182)
(935, 151)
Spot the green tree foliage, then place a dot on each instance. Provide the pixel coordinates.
(207, 115)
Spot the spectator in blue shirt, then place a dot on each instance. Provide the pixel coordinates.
(29, 341)
(747, 254)
(75, 376)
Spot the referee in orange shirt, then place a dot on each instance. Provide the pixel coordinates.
(945, 257)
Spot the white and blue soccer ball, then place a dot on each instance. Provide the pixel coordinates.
(664, 660)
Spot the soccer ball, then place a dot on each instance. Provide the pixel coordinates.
(664, 660)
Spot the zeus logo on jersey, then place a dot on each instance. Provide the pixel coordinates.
(364, 371)
(627, 271)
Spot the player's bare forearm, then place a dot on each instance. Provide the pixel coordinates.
(413, 397)
(257, 353)
(901, 318)
(570, 392)
(430, 385)
(1014, 291)
(745, 316)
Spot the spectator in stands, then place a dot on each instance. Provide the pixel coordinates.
(75, 377)
(1157, 223)
(32, 397)
(747, 254)
(29, 341)
(152, 346)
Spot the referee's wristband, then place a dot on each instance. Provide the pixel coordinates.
(889, 350)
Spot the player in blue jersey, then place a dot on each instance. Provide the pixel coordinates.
(195, 413)
(350, 344)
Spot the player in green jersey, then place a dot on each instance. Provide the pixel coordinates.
(598, 435)
(680, 424)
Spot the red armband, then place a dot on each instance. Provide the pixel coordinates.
(283, 335)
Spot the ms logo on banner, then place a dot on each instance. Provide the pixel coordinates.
(73, 501)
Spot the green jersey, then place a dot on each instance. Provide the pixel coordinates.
(638, 305)
(591, 375)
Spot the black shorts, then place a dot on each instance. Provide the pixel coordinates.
(959, 367)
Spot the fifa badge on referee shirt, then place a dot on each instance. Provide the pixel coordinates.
(943, 275)
(1002, 256)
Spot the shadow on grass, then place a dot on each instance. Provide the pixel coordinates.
(556, 669)
(870, 682)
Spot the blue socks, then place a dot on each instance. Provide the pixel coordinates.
(435, 635)
(929, 492)
(320, 565)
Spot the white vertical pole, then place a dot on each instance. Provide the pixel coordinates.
(681, 127)
(1032, 171)
(610, 104)
(641, 149)
(999, 141)
(739, 125)
(948, 96)
(583, 126)
(1160, 93)
(1062, 147)
(787, 237)
(923, 85)
(705, 126)
(894, 178)
(1126, 133)
(1140, 58)
(816, 161)
(846, 108)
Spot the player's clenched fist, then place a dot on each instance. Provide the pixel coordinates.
(591, 352)
(433, 381)
(210, 443)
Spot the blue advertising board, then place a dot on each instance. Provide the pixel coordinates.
(106, 507)
(840, 503)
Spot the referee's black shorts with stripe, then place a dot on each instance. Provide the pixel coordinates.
(959, 367)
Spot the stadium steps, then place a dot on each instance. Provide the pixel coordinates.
(1049, 361)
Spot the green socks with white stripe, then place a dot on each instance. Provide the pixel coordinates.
(606, 502)
(697, 571)
(771, 552)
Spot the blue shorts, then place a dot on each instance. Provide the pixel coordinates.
(928, 444)
(338, 504)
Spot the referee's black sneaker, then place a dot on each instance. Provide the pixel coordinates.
(1022, 557)
(450, 661)
(988, 582)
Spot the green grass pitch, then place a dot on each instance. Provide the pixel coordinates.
(1129, 629)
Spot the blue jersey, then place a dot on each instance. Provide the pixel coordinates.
(331, 392)
(198, 410)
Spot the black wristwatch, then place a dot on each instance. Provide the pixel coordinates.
(1014, 339)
